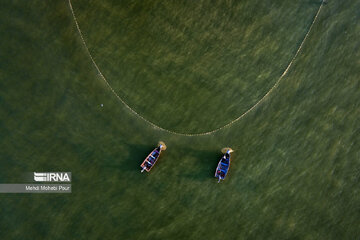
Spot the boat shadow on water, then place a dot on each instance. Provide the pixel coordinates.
(203, 166)
(129, 160)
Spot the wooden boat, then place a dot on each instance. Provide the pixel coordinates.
(151, 159)
(223, 165)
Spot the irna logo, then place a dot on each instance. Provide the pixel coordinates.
(52, 177)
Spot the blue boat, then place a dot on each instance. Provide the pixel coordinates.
(151, 159)
(223, 165)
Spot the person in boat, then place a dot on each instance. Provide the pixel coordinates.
(225, 161)
(148, 164)
(221, 174)
(153, 158)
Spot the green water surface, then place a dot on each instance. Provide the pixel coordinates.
(189, 66)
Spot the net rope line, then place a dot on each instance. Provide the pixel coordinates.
(216, 129)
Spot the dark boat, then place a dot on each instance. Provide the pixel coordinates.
(223, 165)
(151, 159)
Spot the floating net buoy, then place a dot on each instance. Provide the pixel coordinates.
(224, 150)
(163, 145)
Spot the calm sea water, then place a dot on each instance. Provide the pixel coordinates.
(188, 67)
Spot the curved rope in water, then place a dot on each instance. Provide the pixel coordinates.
(214, 130)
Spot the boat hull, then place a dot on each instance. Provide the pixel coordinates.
(223, 167)
(152, 158)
